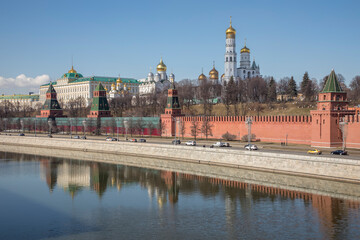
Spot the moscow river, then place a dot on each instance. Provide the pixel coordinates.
(57, 198)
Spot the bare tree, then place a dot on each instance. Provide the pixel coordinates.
(206, 127)
(195, 128)
(182, 128)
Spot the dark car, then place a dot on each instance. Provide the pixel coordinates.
(175, 142)
(339, 152)
(83, 137)
(21, 134)
(142, 140)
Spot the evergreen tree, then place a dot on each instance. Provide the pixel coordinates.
(305, 82)
(292, 88)
(272, 90)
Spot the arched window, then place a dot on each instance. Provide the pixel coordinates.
(244, 71)
(324, 97)
(226, 58)
(230, 59)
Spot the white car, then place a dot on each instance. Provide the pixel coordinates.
(190, 143)
(251, 147)
(219, 144)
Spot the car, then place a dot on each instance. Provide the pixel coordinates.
(176, 142)
(251, 147)
(76, 137)
(190, 143)
(21, 134)
(133, 140)
(142, 140)
(314, 151)
(339, 152)
(109, 139)
(83, 137)
(50, 136)
(227, 144)
(219, 144)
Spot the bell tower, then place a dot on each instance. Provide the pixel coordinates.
(230, 54)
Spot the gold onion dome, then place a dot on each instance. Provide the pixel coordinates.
(202, 77)
(72, 70)
(161, 67)
(118, 80)
(113, 85)
(214, 74)
(230, 32)
(245, 49)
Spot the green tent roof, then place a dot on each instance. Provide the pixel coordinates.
(100, 87)
(332, 84)
(50, 89)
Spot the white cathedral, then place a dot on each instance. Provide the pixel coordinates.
(246, 69)
(156, 83)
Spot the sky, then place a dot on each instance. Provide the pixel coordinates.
(39, 39)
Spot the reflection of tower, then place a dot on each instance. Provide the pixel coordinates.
(99, 178)
(50, 169)
(172, 185)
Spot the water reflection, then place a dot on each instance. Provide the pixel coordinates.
(167, 188)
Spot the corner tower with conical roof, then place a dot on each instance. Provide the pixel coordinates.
(51, 107)
(332, 106)
(100, 105)
(230, 54)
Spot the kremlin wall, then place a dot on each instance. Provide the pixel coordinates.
(323, 128)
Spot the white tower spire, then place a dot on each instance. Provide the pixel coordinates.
(230, 54)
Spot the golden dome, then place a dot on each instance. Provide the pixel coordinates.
(113, 85)
(202, 77)
(214, 74)
(161, 66)
(230, 32)
(118, 80)
(245, 49)
(72, 70)
(223, 75)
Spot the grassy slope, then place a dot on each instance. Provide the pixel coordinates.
(276, 109)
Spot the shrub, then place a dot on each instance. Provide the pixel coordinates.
(245, 138)
(228, 137)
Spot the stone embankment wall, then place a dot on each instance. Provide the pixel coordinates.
(314, 166)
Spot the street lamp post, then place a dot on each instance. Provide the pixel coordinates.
(70, 127)
(84, 124)
(343, 125)
(5, 121)
(126, 128)
(50, 126)
(248, 123)
(22, 125)
(117, 129)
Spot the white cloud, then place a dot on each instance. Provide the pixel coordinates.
(24, 81)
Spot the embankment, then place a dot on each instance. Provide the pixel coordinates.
(307, 166)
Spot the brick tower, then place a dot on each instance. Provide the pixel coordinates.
(51, 107)
(99, 106)
(332, 105)
(172, 110)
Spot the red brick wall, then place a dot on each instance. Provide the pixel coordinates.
(353, 131)
(266, 128)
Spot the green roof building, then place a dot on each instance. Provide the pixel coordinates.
(100, 105)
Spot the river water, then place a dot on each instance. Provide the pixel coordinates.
(55, 198)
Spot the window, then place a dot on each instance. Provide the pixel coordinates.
(324, 97)
(226, 58)
(337, 97)
(230, 59)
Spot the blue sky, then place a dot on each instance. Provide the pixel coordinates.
(108, 38)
